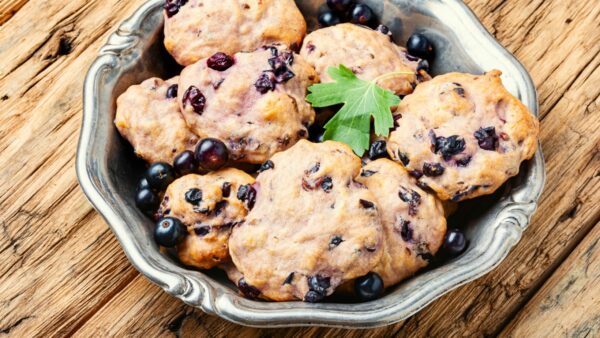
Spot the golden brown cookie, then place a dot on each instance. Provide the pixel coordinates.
(197, 29)
(148, 117)
(312, 228)
(256, 106)
(368, 53)
(209, 207)
(463, 135)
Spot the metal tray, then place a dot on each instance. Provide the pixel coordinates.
(107, 170)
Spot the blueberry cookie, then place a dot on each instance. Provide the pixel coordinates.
(368, 53)
(413, 220)
(253, 102)
(312, 227)
(197, 29)
(209, 207)
(148, 116)
(463, 135)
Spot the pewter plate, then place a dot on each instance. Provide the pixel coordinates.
(107, 170)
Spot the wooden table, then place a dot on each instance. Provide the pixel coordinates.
(62, 271)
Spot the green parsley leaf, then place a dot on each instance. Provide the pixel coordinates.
(361, 99)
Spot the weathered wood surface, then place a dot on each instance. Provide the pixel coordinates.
(62, 272)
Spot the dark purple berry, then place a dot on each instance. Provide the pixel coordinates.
(367, 173)
(211, 154)
(194, 97)
(247, 193)
(433, 169)
(378, 149)
(172, 91)
(455, 242)
(327, 184)
(319, 283)
(335, 241)
(168, 232)
(143, 184)
(340, 6)
(268, 165)
(313, 297)
(418, 45)
(487, 138)
(327, 19)
(369, 287)
(281, 61)
(219, 61)
(266, 82)
(367, 204)
(361, 14)
(412, 198)
(463, 162)
(403, 158)
(160, 175)
(226, 189)
(147, 201)
(172, 6)
(248, 290)
(283, 75)
(185, 163)
(202, 230)
(406, 231)
(193, 196)
(449, 146)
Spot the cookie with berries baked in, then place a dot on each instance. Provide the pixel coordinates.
(209, 206)
(148, 116)
(313, 227)
(197, 29)
(463, 135)
(368, 53)
(253, 102)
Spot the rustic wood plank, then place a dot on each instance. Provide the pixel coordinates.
(63, 271)
(569, 303)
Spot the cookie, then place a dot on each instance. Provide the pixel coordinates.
(209, 208)
(413, 220)
(148, 116)
(197, 29)
(253, 102)
(312, 227)
(463, 135)
(368, 53)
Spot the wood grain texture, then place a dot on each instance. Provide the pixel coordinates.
(62, 271)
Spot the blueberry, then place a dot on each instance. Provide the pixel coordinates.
(172, 6)
(449, 146)
(487, 138)
(226, 189)
(433, 169)
(268, 165)
(361, 14)
(143, 184)
(266, 82)
(193, 196)
(463, 162)
(406, 231)
(385, 30)
(455, 242)
(340, 6)
(367, 204)
(378, 149)
(313, 297)
(202, 230)
(194, 97)
(319, 284)
(172, 91)
(248, 290)
(327, 19)
(185, 163)
(369, 287)
(211, 154)
(367, 173)
(418, 45)
(327, 184)
(247, 193)
(335, 241)
(160, 175)
(403, 158)
(289, 279)
(147, 201)
(168, 232)
(219, 61)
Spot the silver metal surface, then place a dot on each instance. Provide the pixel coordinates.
(107, 170)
